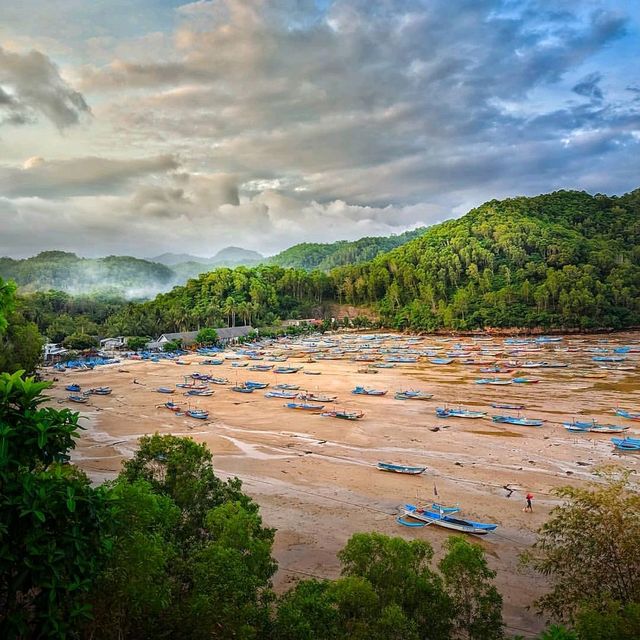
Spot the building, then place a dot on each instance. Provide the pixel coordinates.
(188, 338)
(314, 322)
(52, 352)
(113, 343)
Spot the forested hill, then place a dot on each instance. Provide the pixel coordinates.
(324, 257)
(68, 272)
(566, 259)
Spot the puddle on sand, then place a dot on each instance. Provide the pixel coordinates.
(499, 434)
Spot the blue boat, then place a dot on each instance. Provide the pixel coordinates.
(199, 414)
(592, 427)
(212, 361)
(494, 381)
(608, 358)
(286, 370)
(261, 367)
(401, 468)
(242, 389)
(443, 412)
(425, 517)
(363, 391)
(256, 385)
(164, 390)
(287, 387)
(626, 444)
(73, 387)
(287, 395)
(78, 399)
(521, 422)
(630, 415)
(304, 406)
(506, 405)
(526, 380)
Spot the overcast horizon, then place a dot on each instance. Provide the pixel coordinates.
(139, 127)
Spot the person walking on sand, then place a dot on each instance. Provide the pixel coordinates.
(529, 507)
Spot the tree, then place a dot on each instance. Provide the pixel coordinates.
(21, 346)
(80, 341)
(207, 337)
(7, 302)
(588, 548)
(172, 345)
(468, 580)
(137, 343)
(50, 516)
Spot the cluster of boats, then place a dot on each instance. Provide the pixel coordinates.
(81, 397)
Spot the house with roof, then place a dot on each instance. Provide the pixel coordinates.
(226, 335)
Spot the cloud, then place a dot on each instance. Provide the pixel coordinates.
(589, 87)
(31, 85)
(78, 176)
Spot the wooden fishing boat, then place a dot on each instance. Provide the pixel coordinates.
(172, 406)
(593, 427)
(242, 389)
(199, 392)
(239, 364)
(459, 413)
(199, 414)
(629, 415)
(287, 395)
(401, 468)
(426, 517)
(304, 406)
(165, 390)
(256, 385)
(626, 444)
(316, 397)
(100, 391)
(441, 360)
(506, 405)
(526, 380)
(73, 387)
(493, 381)
(212, 361)
(312, 373)
(287, 387)
(286, 370)
(220, 381)
(521, 422)
(78, 399)
(343, 415)
(261, 367)
(410, 394)
(364, 391)
(367, 370)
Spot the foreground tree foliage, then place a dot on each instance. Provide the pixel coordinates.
(590, 549)
(51, 518)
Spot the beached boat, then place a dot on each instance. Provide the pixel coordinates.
(242, 389)
(286, 370)
(521, 422)
(287, 395)
(287, 387)
(629, 415)
(181, 362)
(410, 394)
(593, 427)
(526, 380)
(316, 397)
(443, 412)
(79, 399)
(441, 519)
(608, 358)
(626, 444)
(73, 387)
(199, 414)
(220, 381)
(261, 367)
(212, 361)
(239, 364)
(493, 381)
(165, 390)
(401, 468)
(304, 406)
(364, 391)
(312, 373)
(199, 392)
(172, 406)
(367, 370)
(440, 360)
(343, 415)
(506, 405)
(256, 385)
(100, 391)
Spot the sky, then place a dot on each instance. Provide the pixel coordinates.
(143, 126)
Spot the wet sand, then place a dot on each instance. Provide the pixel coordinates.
(315, 477)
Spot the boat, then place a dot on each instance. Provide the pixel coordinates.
(239, 364)
(608, 358)
(73, 387)
(409, 394)
(199, 414)
(494, 381)
(286, 370)
(626, 444)
(426, 517)
(343, 415)
(287, 387)
(629, 415)
(242, 389)
(304, 406)
(526, 380)
(458, 413)
(316, 397)
(212, 361)
(367, 370)
(256, 385)
(199, 392)
(172, 406)
(401, 468)
(165, 390)
(213, 380)
(312, 373)
(79, 399)
(261, 367)
(521, 422)
(100, 391)
(593, 427)
(287, 395)
(181, 362)
(440, 360)
(506, 405)
(363, 391)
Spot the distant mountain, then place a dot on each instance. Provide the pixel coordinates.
(63, 271)
(236, 255)
(169, 259)
(337, 254)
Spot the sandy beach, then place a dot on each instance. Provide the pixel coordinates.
(315, 477)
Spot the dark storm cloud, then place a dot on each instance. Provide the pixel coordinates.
(30, 85)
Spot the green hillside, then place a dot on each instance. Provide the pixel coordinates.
(68, 272)
(324, 257)
(566, 259)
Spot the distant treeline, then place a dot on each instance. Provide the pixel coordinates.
(563, 260)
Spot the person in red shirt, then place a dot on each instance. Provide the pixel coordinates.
(529, 507)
